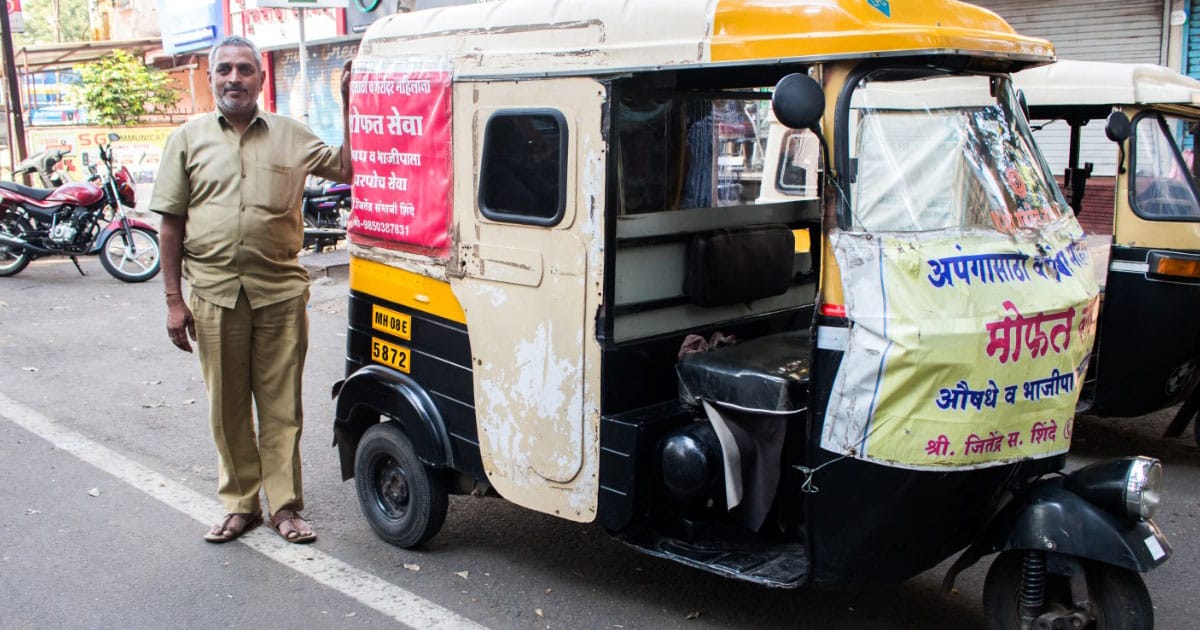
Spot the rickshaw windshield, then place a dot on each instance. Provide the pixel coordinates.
(940, 152)
(1162, 184)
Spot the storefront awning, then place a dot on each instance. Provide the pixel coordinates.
(45, 57)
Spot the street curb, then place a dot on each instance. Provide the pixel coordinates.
(333, 264)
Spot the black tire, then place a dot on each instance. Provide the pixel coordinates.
(13, 258)
(141, 265)
(1119, 599)
(403, 501)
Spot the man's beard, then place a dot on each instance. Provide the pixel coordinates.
(229, 107)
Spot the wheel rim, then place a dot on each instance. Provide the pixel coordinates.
(10, 256)
(141, 259)
(392, 495)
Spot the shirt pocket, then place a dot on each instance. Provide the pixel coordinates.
(278, 187)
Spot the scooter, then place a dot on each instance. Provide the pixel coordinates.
(43, 165)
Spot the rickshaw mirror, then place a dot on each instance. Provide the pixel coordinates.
(1117, 127)
(798, 101)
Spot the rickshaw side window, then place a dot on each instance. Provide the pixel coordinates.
(522, 175)
(1161, 185)
(680, 150)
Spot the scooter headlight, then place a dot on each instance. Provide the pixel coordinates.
(1127, 485)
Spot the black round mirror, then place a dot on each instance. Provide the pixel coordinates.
(798, 101)
(1117, 127)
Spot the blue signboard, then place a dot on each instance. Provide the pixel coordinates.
(188, 26)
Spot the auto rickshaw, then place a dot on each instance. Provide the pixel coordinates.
(1140, 186)
(586, 277)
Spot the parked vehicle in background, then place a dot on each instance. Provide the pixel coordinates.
(1135, 162)
(570, 288)
(326, 208)
(43, 165)
(79, 219)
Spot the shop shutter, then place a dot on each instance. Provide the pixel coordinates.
(1092, 30)
(324, 86)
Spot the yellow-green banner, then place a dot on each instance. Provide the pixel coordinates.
(967, 348)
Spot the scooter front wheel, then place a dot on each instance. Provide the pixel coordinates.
(1117, 598)
(404, 501)
(13, 258)
(131, 262)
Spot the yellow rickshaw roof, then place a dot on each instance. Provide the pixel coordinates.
(533, 37)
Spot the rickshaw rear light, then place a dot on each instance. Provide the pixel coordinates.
(833, 310)
(1126, 486)
(1177, 267)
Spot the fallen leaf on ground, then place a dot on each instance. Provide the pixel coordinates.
(161, 402)
(94, 492)
(462, 574)
(539, 612)
(412, 567)
(31, 512)
(151, 382)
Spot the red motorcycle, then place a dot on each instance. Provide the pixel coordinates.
(78, 219)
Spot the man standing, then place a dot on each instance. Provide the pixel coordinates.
(229, 190)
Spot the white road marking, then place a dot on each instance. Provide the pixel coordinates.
(372, 591)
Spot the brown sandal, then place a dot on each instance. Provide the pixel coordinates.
(289, 525)
(232, 527)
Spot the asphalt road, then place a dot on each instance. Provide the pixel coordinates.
(102, 520)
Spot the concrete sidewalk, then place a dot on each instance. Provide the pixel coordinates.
(333, 264)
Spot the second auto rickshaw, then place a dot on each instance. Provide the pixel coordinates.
(781, 291)
(1142, 181)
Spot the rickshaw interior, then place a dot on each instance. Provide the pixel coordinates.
(717, 234)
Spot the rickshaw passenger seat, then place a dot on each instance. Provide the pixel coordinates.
(767, 374)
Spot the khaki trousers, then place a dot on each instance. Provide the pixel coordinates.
(255, 356)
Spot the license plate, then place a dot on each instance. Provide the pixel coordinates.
(389, 321)
(390, 354)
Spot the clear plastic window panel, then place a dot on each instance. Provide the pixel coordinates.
(680, 151)
(1162, 183)
(945, 152)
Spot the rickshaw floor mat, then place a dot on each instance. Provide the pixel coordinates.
(776, 565)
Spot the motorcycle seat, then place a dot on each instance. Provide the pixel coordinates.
(768, 374)
(39, 194)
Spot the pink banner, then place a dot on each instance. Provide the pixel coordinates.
(400, 144)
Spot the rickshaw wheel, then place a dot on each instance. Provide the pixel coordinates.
(1118, 597)
(404, 503)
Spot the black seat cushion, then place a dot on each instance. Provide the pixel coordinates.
(769, 374)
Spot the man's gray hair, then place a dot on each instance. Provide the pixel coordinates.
(236, 40)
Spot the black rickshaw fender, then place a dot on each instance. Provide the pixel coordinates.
(375, 391)
(1049, 517)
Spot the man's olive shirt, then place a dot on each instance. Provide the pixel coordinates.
(242, 196)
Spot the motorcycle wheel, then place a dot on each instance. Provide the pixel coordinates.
(138, 265)
(404, 501)
(13, 258)
(1118, 597)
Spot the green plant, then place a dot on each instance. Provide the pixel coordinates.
(119, 89)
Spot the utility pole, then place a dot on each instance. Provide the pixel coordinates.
(17, 140)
